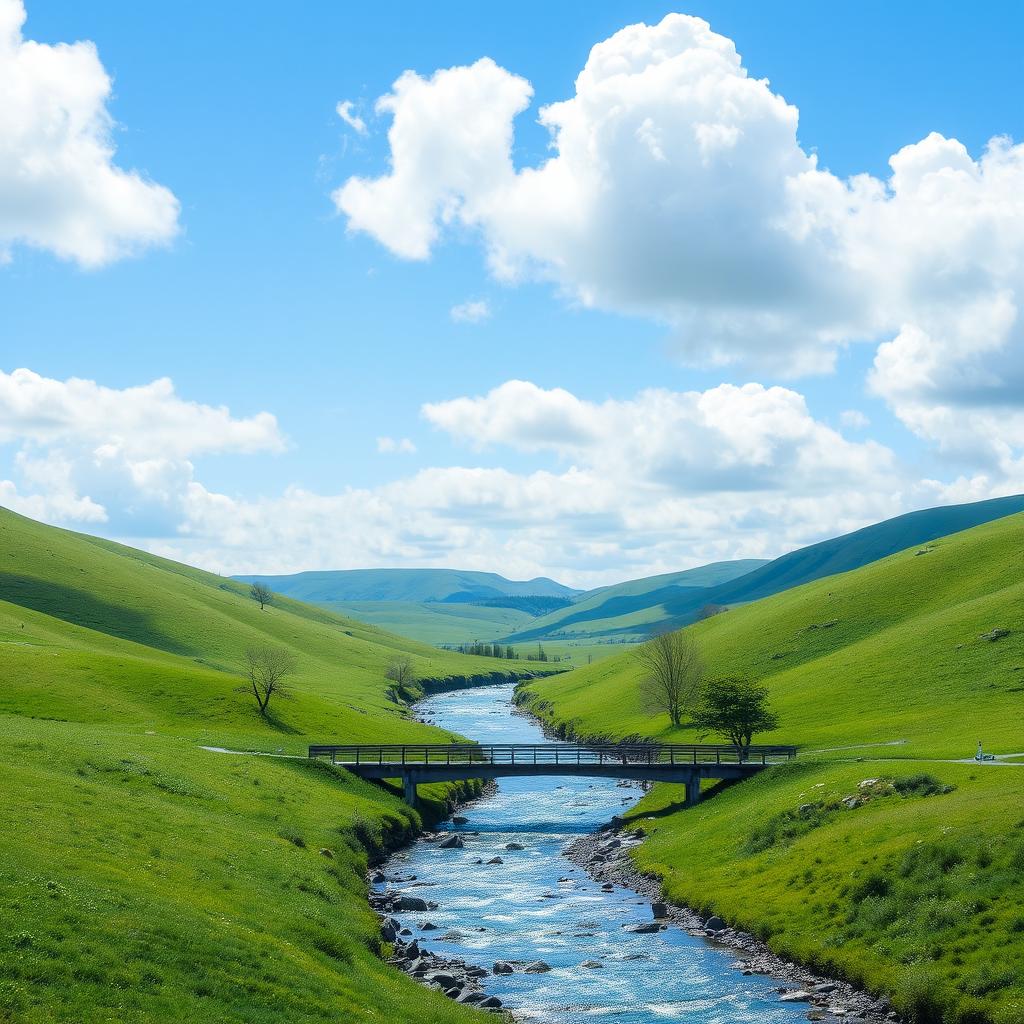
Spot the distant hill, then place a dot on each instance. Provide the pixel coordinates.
(415, 585)
(634, 606)
(635, 610)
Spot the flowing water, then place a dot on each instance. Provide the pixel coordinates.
(539, 906)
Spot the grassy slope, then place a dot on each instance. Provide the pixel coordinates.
(623, 609)
(888, 652)
(142, 878)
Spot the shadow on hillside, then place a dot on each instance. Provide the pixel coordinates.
(679, 805)
(81, 608)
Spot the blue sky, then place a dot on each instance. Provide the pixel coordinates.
(264, 301)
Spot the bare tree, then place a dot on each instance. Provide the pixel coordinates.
(262, 593)
(401, 672)
(267, 669)
(673, 673)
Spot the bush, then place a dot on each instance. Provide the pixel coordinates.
(921, 784)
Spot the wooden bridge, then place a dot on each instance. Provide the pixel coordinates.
(685, 763)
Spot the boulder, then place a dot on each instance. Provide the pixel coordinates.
(389, 930)
(470, 997)
(453, 842)
(537, 967)
(643, 929)
(592, 965)
(446, 981)
(490, 1003)
(411, 903)
(495, 860)
(659, 909)
(714, 924)
(514, 846)
(460, 819)
(501, 967)
(428, 926)
(799, 996)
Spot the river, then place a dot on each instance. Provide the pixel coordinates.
(538, 906)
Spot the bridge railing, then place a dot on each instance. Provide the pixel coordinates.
(666, 754)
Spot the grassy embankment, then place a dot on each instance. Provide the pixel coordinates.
(917, 896)
(142, 878)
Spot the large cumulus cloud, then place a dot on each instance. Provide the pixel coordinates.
(60, 189)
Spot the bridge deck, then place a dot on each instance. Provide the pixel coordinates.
(403, 756)
(685, 763)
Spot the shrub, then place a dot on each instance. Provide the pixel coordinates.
(921, 784)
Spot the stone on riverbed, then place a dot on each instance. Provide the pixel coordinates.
(799, 996)
(453, 842)
(537, 967)
(659, 910)
(501, 967)
(591, 964)
(714, 924)
(643, 929)
(514, 846)
(495, 860)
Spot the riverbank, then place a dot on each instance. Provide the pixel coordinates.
(606, 856)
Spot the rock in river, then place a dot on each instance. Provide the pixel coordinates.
(453, 842)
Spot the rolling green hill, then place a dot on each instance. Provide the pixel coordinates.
(415, 585)
(633, 611)
(891, 671)
(143, 877)
(628, 610)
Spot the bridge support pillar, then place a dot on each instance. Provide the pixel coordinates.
(693, 790)
(409, 788)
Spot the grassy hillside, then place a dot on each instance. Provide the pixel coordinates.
(634, 614)
(889, 652)
(627, 610)
(144, 878)
(920, 897)
(416, 585)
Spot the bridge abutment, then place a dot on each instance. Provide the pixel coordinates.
(409, 788)
(693, 790)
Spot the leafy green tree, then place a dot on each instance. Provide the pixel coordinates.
(262, 594)
(735, 708)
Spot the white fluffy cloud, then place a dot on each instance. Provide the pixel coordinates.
(473, 311)
(88, 453)
(59, 187)
(677, 188)
(725, 439)
(608, 489)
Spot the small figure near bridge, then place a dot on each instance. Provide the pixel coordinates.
(982, 756)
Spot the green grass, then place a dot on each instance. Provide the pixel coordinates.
(920, 897)
(142, 878)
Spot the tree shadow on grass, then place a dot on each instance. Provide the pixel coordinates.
(82, 608)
